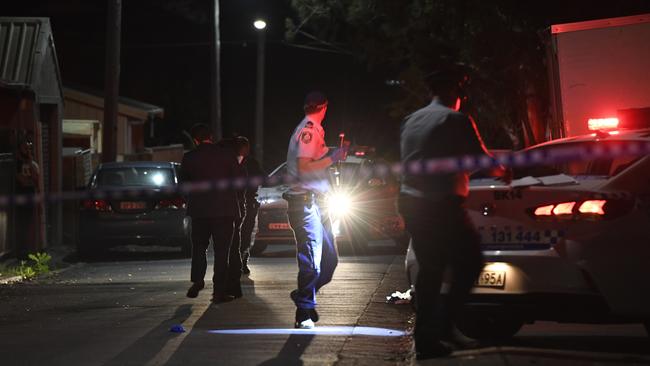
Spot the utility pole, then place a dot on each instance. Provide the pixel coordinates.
(215, 72)
(260, 25)
(111, 80)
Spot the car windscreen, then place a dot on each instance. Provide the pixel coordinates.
(600, 167)
(134, 176)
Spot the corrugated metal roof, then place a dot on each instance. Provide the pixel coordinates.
(28, 58)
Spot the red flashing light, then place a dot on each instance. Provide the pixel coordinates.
(544, 210)
(360, 153)
(603, 123)
(565, 208)
(592, 207)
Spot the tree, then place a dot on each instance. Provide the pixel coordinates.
(407, 39)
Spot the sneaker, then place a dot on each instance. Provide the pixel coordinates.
(303, 319)
(313, 315)
(305, 324)
(194, 290)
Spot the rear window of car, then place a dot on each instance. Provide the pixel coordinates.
(134, 176)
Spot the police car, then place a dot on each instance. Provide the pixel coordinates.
(362, 207)
(568, 242)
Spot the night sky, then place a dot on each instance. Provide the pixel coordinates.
(165, 56)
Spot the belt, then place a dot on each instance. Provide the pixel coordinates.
(305, 197)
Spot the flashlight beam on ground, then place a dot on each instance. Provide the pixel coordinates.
(327, 331)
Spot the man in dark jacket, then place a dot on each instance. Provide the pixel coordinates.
(250, 206)
(213, 214)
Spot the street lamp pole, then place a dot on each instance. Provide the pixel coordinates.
(260, 25)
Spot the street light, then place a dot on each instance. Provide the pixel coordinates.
(260, 25)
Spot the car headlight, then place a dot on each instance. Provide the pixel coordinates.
(339, 204)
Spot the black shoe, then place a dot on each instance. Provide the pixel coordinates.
(193, 291)
(303, 319)
(434, 350)
(221, 298)
(245, 270)
(313, 314)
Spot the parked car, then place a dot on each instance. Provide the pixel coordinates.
(567, 242)
(157, 218)
(362, 207)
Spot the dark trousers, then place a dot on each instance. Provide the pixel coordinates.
(442, 236)
(246, 231)
(315, 250)
(227, 261)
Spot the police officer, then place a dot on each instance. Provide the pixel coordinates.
(309, 159)
(213, 215)
(432, 206)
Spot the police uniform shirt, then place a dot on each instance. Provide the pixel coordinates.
(308, 141)
(432, 132)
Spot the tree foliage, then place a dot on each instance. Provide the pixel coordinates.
(408, 39)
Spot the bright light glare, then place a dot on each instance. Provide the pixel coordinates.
(593, 207)
(158, 179)
(602, 123)
(496, 266)
(339, 204)
(259, 24)
(331, 331)
(336, 227)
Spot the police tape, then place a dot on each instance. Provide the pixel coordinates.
(538, 156)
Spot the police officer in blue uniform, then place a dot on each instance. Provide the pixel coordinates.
(309, 159)
(442, 234)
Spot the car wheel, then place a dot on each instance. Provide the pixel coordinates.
(258, 248)
(483, 326)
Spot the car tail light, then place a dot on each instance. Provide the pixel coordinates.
(544, 210)
(97, 205)
(592, 207)
(587, 209)
(174, 204)
(565, 208)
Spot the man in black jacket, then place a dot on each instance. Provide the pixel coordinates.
(213, 214)
(250, 206)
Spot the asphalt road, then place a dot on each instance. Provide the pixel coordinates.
(119, 311)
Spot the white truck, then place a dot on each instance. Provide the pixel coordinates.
(599, 73)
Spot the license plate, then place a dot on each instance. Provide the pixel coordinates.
(279, 226)
(133, 205)
(491, 279)
(509, 236)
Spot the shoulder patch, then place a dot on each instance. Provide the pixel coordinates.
(306, 137)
